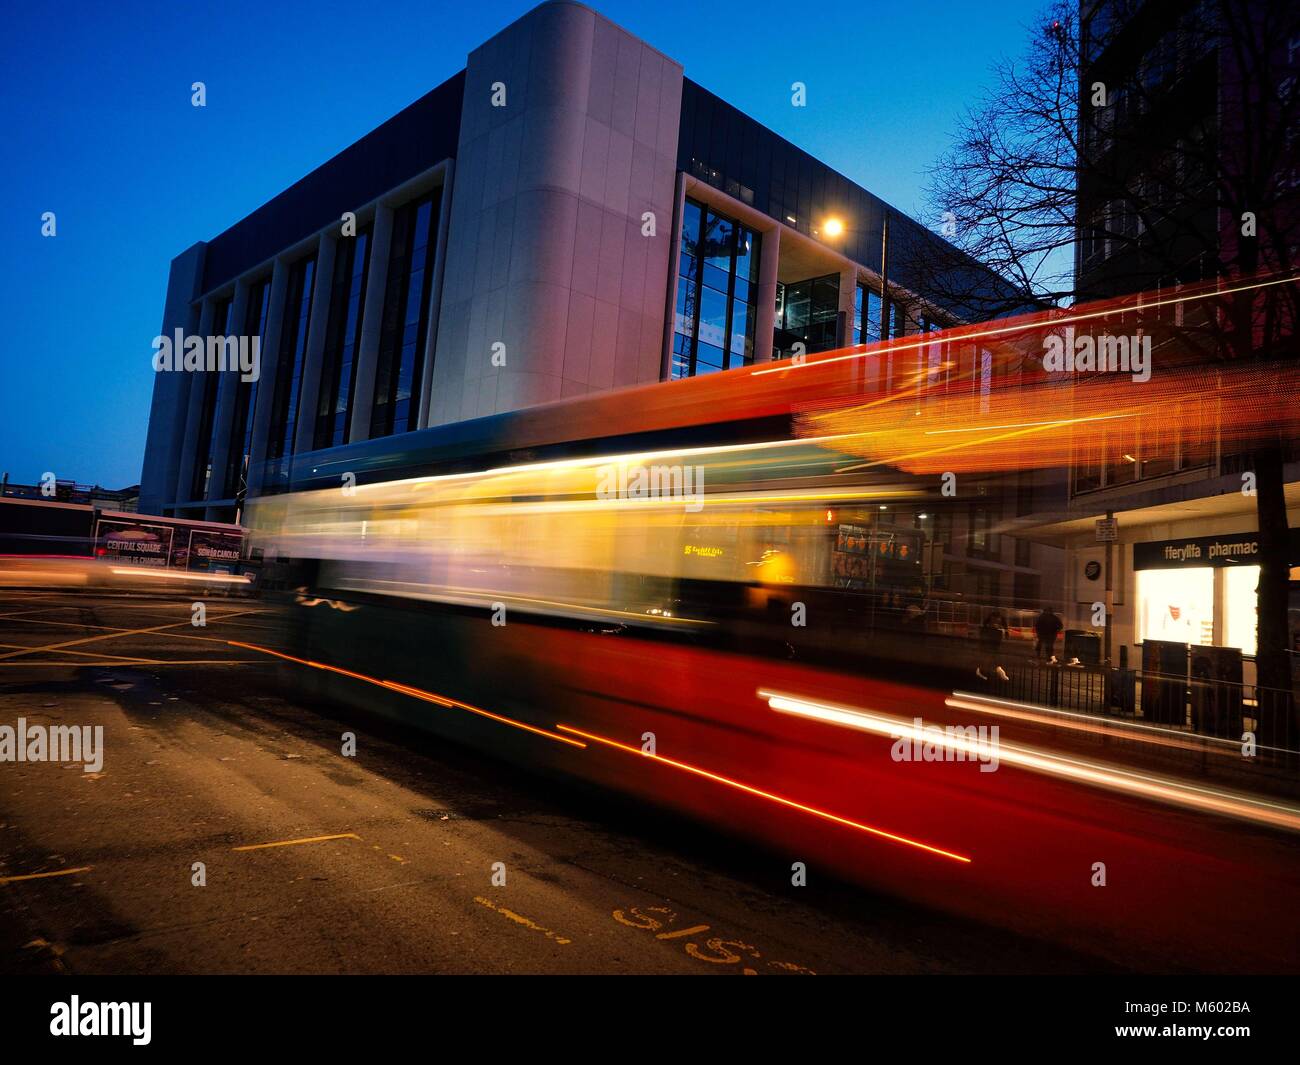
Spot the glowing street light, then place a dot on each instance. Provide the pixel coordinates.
(833, 227)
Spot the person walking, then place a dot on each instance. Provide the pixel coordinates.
(992, 633)
(1047, 626)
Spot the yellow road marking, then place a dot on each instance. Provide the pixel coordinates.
(519, 918)
(34, 610)
(118, 635)
(295, 842)
(118, 629)
(683, 932)
(42, 876)
(143, 662)
(92, 639)
(85, 654)
(72, 624)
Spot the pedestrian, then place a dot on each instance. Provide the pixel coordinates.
(992, 633)
(1047, 626)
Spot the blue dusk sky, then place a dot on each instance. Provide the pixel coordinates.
(99, 129)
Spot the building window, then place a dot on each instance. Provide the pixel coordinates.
(871, 322)
(982, 539)
(717, 288)
(405, 323)
(210, 383)
(809, 314)
(241, 430)
(288, 370)
(897, 319)
(342, 340)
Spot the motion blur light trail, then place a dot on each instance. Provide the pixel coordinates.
(1127, 730)
(660, 550)
(1161, 789)
(1018, 326)
(416, 693)
(764, 794)
(181, 576)
(449, 703)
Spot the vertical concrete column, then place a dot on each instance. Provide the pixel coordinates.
(266, 383)
(674, 267)
(435, 296)
(227, 393)
(372, 316)
(848, 286)
(304, 432)
(171, 388)
(769, 263)
(182, 490)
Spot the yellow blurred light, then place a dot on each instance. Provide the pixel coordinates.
(833, 227)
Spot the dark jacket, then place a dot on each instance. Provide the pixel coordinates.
(991, 632)
(1047, 626)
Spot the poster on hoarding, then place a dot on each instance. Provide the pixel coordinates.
(209, 549)
(133, 543)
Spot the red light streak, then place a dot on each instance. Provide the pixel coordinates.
(686, 767)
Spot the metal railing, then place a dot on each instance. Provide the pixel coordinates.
(1218, 709)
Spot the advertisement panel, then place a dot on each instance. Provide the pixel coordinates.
(133, 543)
(210, 549)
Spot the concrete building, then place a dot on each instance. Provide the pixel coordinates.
(568, 214)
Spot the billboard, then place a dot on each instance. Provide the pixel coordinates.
(134, 543)
(211, 549)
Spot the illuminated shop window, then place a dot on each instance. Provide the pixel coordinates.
(1240, 607)
(1176, 604)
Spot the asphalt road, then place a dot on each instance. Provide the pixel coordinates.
(389, 861)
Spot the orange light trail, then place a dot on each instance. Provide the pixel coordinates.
(716, 778)
(417, 693)
(1020, 327)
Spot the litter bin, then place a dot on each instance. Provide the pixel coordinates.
(1083, 644)
(1216, 691)
(1164, 682)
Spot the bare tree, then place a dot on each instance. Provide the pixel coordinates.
(1089, 172)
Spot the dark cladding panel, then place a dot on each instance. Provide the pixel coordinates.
(406, 145)
(714, 145)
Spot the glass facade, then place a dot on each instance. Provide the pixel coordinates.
(871, 321)
(210, 383)
(406, 317)
(288, 370)
(808, 314)
(241, 432)
(342, 340)
(717, 287)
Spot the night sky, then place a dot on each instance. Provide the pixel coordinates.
(100, 130)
